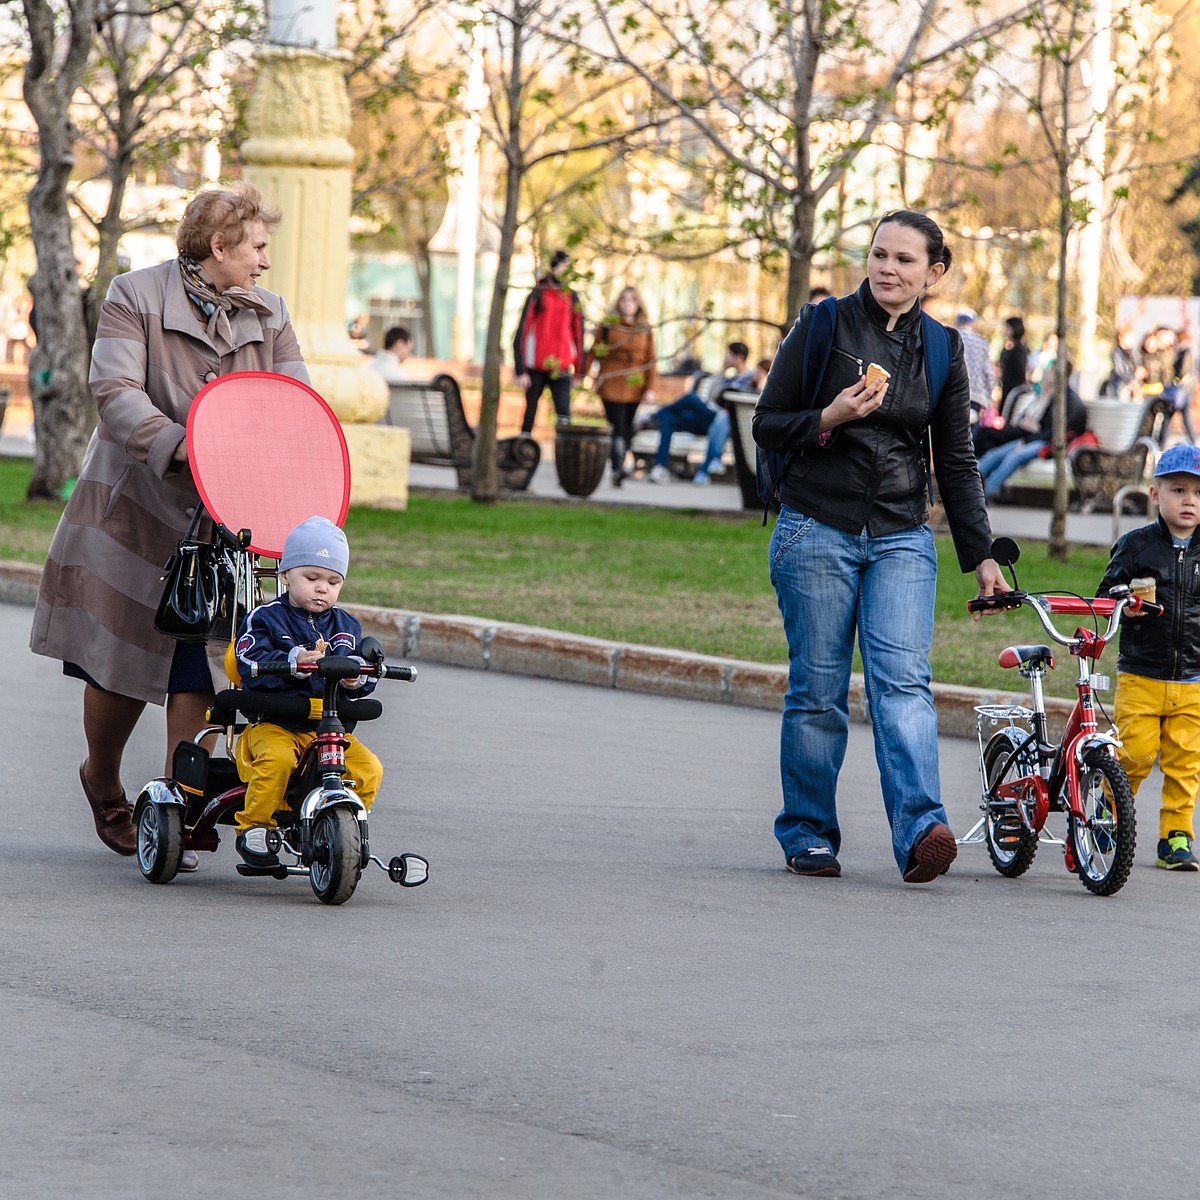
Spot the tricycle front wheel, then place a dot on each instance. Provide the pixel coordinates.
(160, 841)
(337, 856)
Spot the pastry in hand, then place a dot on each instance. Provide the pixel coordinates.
(876, 374)
(321, 646)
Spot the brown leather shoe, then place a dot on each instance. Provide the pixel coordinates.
(114, 818)
(931, 856)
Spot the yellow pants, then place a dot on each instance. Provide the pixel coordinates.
(267, 756)
(1160, 719)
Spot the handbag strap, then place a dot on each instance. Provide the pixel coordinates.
(194, 523)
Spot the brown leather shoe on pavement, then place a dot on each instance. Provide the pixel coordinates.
(931, 856)
(114, 818)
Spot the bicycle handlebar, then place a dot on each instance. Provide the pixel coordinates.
(1121, 600)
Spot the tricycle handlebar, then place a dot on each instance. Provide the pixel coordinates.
(335, 666)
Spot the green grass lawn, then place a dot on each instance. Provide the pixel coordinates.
(685, 580)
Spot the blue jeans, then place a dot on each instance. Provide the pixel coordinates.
(718, 435)
(831, 585)
(691, 415)
(999, 464)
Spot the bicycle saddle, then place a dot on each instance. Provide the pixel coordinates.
(1015, 656)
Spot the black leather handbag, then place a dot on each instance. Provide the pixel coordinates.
(198, 590)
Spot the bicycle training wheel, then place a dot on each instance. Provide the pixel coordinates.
(337, 856)
(1011, 845)
(1102, 843)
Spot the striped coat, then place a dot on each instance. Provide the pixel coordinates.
(102, 580)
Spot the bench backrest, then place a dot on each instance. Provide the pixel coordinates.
(741, 408)
(1017, 403)
(1118, 424)
(421, 409)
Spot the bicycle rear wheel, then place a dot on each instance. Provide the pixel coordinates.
(1102, 843)
(1011, 845)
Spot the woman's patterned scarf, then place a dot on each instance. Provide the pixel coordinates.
(216, 306)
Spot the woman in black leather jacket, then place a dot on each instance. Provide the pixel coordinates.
(852, 553)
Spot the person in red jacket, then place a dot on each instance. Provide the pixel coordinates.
(548, 346)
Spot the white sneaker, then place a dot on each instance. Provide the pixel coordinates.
(716, 467)
(190, 861)
(658, 474)
(700, 479)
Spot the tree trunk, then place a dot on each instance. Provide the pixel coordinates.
(804, 199)
(804, 217)
(424, 266)
(62, 403)
(1057, 549)
(485, 487)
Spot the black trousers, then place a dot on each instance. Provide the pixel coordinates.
(560, 394)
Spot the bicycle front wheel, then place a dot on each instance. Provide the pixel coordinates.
(1103, 841)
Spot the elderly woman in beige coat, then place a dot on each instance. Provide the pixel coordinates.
(164, 332)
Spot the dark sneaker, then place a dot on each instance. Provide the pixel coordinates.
(1175, 852)
(931, 856)
(252, 846)
(816, 860)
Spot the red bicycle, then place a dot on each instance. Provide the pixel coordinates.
(1025, 776)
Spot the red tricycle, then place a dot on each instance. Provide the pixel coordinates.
(237, 423)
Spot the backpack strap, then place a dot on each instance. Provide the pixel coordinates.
(937, 357)
(936, 342)
(818, 344)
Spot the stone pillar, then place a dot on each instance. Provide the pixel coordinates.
(299, 155)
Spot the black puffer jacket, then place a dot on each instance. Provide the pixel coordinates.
(1166, 647)
(871, 474)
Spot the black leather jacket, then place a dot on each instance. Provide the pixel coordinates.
(1166, 647)
(871, 474)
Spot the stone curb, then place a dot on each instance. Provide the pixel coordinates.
(486, 645)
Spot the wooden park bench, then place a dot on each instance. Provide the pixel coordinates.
(432, 412)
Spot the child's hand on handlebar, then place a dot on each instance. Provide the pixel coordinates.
(310, 656)
(991, 583)
(357, 682)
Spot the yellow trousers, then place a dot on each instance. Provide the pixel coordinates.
(1160, 719)
(267, 756)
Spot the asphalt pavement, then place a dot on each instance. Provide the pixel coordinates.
(609, 988)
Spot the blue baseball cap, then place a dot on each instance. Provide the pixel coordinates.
(1179, 460)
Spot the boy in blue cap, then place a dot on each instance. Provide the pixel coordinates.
(302, 624)
(1157, 707)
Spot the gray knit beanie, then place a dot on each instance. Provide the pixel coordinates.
(317, 542)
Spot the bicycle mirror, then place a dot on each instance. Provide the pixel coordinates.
(1006, 552)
